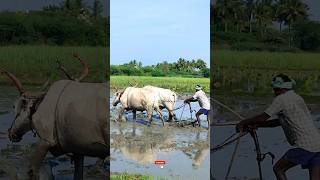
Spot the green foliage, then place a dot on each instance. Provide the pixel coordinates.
(127, 176)
(56, 25)
(34, 64)
(245, 71)
(97, 8)
(193, 68)
(250, 25)
(307, 35)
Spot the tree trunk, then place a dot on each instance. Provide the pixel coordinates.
(289, 25)
(225, 27)
(280, 26)
(250, 23)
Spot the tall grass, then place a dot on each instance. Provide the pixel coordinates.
(34, 64)
(248, 71)
(126, 176)
(179, 84)
(271, 60)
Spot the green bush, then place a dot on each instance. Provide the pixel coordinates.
(52, 28)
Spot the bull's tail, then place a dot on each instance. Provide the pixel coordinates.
(174, 98)
(172, 114)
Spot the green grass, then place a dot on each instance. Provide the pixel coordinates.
(249, 71)
(34, 64)
(272, 60)
(178, 84)
(126, 176)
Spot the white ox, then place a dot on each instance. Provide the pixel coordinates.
(138, 99)
(166, 99)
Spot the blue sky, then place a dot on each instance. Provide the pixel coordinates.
(158, 30)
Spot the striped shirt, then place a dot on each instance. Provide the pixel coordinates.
(296, 121)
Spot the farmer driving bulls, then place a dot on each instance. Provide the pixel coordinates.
(297, 124)
(204, 103)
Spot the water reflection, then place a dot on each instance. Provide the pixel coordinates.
(137, 146)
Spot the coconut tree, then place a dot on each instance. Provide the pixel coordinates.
(237, 13)
(291, 11)
(223, 7)
(264, 15)
(280, 7)
(251, 9)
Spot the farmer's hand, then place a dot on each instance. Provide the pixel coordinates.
(242, 126)
(239, 127)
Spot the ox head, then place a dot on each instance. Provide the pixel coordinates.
(24, 108)
(119, 94)
(117, 98)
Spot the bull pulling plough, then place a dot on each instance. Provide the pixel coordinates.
(259, 155)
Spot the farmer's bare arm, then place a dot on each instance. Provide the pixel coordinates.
(270, 123)
(191, 99)
(259, 119)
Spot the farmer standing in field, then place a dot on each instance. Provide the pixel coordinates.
(204, 103)
(294, 117)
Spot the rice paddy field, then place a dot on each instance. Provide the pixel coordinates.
(248, 71)
(35, 64)
(178, 84)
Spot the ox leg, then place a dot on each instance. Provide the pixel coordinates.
(149, 115)
(172, 116)
(208, 119)
(36, 159)
(160, 114)
(121, 111)
(78, 167)
(134, 115)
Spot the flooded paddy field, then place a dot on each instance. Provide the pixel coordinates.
(271, 140)
(14, 157)
(135, 146)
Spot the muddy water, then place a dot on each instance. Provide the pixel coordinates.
(135, 146)
(271, 140)
(14, 157)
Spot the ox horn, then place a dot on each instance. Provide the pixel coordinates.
(85, 69)
(15, 80)
(45, 85)
(136, 83)
(64, 70)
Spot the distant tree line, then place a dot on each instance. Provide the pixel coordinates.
(186, 68)
(263, 25)
(73, 23)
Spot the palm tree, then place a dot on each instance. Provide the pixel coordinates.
(250, 5)
(237, 11)
(280, 15)
(291, 11)
(200, 64)
(223, 8)
(264, 15)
